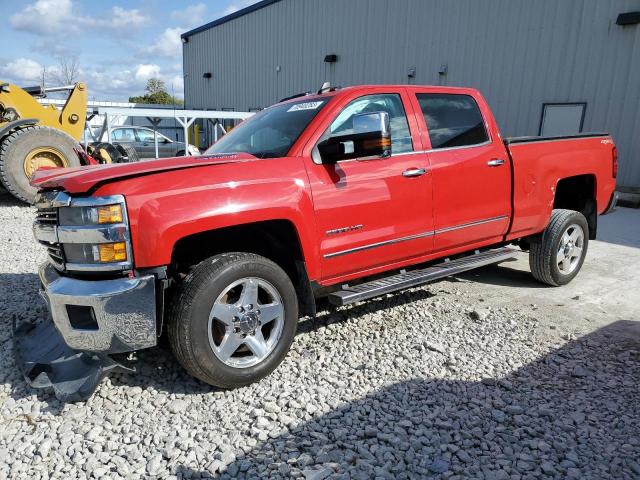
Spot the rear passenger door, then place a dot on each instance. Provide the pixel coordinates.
(471, 172)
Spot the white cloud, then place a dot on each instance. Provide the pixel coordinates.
(235, 6)
(47, 17)
(44, 17)
(121, 18)
(169, 44)
(191, 16)
(21, 70)
(146, 71)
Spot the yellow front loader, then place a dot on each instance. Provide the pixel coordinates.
(34, 136)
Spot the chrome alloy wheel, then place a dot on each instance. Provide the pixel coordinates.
(246, 322)
(570, 249)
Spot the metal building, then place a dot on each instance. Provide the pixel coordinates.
(545, 66)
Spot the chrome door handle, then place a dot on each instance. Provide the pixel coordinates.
(496, 162)
(414, 172)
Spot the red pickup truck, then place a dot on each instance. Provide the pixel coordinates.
(345, 195)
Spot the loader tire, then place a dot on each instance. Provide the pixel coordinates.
(27, 149)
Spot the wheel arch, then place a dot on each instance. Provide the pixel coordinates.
(579, 193)
(278, 240)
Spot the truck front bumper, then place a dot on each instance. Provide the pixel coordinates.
(90, 319)
(106, 316)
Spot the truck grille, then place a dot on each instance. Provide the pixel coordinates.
(49, 216)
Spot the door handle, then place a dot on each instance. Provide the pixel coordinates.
(496, 162)
(414, 172)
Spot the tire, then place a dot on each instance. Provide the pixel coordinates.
(128, 154)
(551, 259)
(19, 145)
(106, 153)
(180, 153)
(193, 335)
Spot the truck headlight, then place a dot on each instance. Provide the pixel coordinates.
(97, 215)
(84, 234)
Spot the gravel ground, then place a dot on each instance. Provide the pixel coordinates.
(453, 380)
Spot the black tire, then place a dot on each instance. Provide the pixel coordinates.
(188, 319)
(128, 153)
(544, 251)
(16, 147)
(180, 153)
(106, 153)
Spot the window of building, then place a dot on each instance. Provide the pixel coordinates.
(562, 119)
(452, 120)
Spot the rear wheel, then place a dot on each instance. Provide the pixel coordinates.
(28, 149)
(233, 319)
(557, 257)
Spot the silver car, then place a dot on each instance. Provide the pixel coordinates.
(141, 139)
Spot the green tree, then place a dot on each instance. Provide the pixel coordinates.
(156, 94)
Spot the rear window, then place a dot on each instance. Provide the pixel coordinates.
(452, 120)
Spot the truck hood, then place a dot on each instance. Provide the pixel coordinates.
(83, 179)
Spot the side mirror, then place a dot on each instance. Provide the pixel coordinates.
(166, 140)
(370, 137)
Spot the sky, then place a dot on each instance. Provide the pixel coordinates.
(119, 44)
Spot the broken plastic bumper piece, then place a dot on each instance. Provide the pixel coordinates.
(47, 362)
(90, 319)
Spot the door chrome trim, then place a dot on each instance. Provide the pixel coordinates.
(413, 237)
(471, 224)
(378, 244)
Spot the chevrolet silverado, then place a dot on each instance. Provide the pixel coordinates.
(342, 195)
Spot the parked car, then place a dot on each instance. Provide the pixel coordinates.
(142, 140)
(341, 196)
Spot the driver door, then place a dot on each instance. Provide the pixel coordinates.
(373, 212)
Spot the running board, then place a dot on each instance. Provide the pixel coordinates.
(413, 278)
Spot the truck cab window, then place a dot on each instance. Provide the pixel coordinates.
(390, 103)
(452, 120)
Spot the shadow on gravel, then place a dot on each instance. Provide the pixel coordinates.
(571, 414)
(502, 275)
(8, 200)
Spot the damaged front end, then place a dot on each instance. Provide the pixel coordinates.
(99, 305)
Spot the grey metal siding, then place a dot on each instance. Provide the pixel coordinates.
(519, 53)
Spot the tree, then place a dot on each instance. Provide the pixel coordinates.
(156, 94)
(67, 71)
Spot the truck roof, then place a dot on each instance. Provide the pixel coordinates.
(364, 88)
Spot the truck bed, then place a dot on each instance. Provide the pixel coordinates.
(539, 163)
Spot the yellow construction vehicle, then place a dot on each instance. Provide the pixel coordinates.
(34, 136)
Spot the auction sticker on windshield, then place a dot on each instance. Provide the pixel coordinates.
(305, 106)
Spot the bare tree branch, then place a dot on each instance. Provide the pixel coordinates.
(67, 71)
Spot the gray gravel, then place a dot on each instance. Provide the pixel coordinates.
(427, 383)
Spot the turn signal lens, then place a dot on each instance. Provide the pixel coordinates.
(110, 214)
(111, 252)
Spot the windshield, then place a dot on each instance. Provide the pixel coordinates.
(272, 132)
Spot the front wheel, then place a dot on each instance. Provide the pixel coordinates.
(233, 319)
(556, 258)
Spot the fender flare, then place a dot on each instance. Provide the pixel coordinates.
(23, 122)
